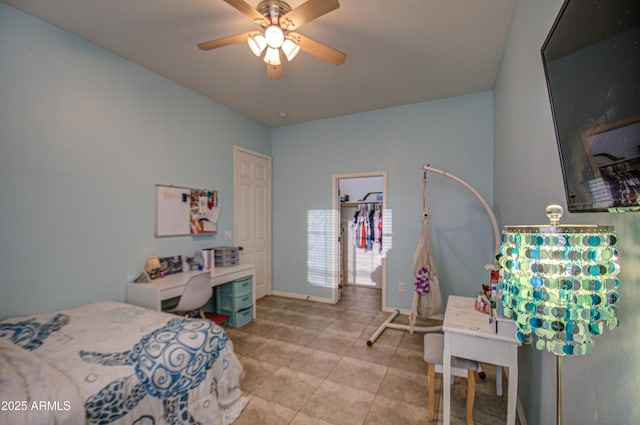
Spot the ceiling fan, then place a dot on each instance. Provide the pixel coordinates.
(278, 21)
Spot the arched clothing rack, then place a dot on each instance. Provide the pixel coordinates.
(494, 222)
(496, 237)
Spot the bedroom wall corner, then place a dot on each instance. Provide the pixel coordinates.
(84, 137)
(399, 140)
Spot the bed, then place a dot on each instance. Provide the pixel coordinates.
(115, 363)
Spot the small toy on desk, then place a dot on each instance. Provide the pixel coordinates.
(483, 300)
(195, 262)
(489, 300)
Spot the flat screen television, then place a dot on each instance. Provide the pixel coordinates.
(591, 60)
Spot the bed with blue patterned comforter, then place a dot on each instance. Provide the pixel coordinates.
(115, 363)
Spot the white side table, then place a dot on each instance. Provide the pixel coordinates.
(468, 334)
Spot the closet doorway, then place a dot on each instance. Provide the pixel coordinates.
(359, 199)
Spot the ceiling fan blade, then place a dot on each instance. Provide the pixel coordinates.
(214, 44)
(306, 12)
(274, 72)
(320, 50)
(248, 11)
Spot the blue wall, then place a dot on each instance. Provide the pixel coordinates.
(600, 388)
(454, 134)
(84, 137)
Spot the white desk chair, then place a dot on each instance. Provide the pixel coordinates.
(196, 295)
(433, 353)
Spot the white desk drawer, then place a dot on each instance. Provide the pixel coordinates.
(506, 327)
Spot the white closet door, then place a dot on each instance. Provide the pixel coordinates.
(252, 214)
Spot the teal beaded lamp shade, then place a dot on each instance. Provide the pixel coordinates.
(560, 283)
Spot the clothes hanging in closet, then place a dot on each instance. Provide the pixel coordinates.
(367, 225)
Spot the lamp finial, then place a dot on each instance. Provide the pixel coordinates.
(554, 212)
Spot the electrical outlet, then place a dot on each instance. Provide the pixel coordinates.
(401, 286)
(227, 236)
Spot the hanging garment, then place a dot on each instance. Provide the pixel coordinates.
(370, 230)
(367, 227)
(378, 228)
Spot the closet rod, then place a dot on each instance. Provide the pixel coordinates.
(492, 216)
(364, 198)
(358, 203)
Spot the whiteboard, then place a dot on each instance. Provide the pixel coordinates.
(185, 211)
(172, 210)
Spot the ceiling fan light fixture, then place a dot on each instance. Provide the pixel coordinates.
(290, 49)
(272, 57)
(274, 36)
(278, 23)
(257, 43)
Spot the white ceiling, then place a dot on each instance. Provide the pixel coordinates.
(398, 52)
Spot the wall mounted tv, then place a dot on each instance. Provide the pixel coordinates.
(591, 59)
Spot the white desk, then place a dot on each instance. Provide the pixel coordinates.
(468, 334)
(151, 295)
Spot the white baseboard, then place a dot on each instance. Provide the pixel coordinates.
(519, 411)
(301, 297)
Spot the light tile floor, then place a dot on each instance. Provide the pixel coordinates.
(307, 363)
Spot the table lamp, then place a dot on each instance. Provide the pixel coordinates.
(152, 266)
(560, 284)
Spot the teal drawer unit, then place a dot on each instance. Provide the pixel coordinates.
(237, 287)
(231, 303)
(239, 318)
(235, 299)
